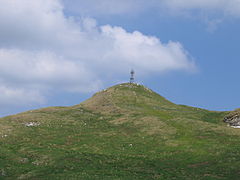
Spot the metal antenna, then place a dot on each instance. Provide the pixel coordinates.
(132, 76)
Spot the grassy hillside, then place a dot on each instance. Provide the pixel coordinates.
(124, 132)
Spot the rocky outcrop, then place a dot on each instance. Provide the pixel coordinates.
(233, 119)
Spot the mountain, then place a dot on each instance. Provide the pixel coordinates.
(124, 132)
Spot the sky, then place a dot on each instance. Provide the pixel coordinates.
(60, 52)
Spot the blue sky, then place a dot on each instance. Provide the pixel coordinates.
(55, 53)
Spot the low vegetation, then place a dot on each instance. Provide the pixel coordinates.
(125, 132)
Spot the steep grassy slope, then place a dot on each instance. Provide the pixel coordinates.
(124, 132)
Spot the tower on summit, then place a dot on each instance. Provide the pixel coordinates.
(132, 76)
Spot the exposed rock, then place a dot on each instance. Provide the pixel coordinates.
(233, 119)
(24, 160)
(2, 172)
(32, 124)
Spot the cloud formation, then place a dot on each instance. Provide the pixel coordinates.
(19, 97)
(43, 51)
(228, 7)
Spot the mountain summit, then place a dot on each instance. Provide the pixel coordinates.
(126, 97)
(124, 132)
(131, 98)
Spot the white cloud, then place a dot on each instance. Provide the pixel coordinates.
(210, 12)
(43, 51)
(19, 96)
(227, 6)
(145, 53)
(44, 70)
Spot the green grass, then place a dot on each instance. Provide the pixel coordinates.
(126, 132)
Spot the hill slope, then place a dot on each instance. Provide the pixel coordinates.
(124, 132)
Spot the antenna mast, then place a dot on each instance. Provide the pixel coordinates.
(132, 76)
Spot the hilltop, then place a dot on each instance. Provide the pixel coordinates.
(124, 132)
